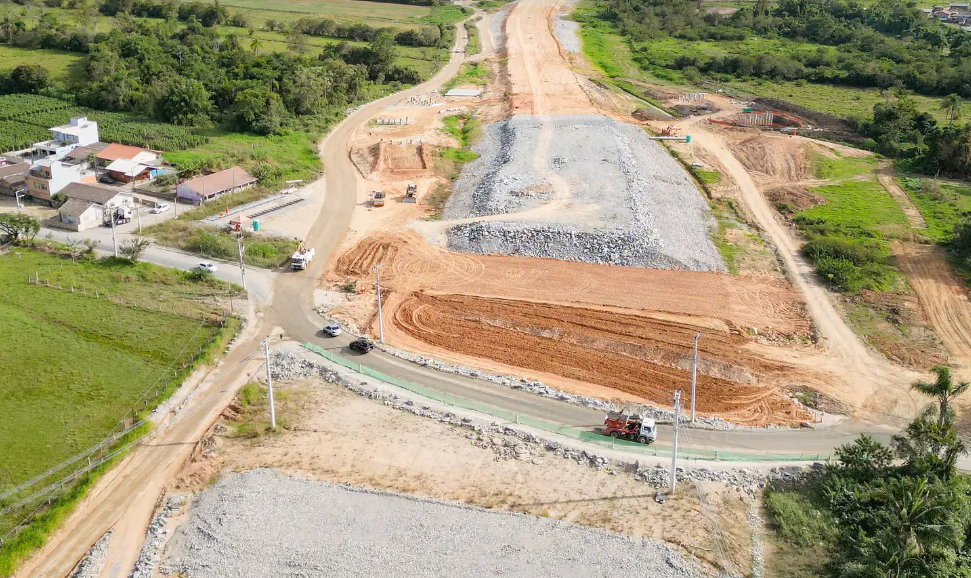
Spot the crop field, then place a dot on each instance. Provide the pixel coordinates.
(74, 364)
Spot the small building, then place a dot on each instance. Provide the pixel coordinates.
(13, 185)
(84, 154)
(80, 215)
(125, 171)
(205, 188)
(102, 195)
(47, 177)
(79, 132)
(119, 152)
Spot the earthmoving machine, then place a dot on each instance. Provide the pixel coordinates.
(302, 258)
(671, 130)
(377, 198)
(630, 427)
(411, 194)
(671, 133)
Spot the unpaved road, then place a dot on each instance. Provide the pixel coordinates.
(870, 382)
(914, 216)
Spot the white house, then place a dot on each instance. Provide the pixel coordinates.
(79, 215)
(47, 177)
(205, 188)
(80, 132)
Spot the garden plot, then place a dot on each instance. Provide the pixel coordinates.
(580, 188)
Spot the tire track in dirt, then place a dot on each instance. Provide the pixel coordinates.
(913, 214)
(646, 357)
(943, 298)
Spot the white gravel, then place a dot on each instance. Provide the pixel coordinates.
(622, 199)
(567, 31)
(497, 26)
(263, 523)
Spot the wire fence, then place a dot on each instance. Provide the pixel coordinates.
(576, 433)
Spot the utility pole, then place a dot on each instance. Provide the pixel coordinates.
(674, 454)
(269, 382)
(138, 212)
(242, 271)
(114, 242)
(18, 195)
(377, 273)
(694, 378)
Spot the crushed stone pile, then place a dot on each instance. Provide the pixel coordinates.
(264, 523)
(581, 187)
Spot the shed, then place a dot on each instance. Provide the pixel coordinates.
(79, 215)
(201, 189)
(125, 171)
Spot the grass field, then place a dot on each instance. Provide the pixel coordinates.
(74, 364)
(862, 206)
(941, 210)
(61, 65)
(336, 9)
(261, 250)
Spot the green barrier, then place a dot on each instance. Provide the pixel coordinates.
(564, 430)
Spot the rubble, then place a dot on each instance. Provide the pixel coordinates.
(92, 563)
(149, 557)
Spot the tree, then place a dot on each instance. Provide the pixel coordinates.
(134, 248)
(29, 78)
(257, 110)
(19, 227)
(186, 102)
(255, 45)
(945, 390)
(952, 104)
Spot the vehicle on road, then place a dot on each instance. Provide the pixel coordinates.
(362, 345)
(121, 215)
(333, 329)
(630, 427)
(160, 208)
(302, 258)
(207, 266)
(411, 194)
(377, 198)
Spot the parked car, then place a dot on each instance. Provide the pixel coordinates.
(160, 208)
(333, 330)
(207, 266)
(106, 180)
(362, 345)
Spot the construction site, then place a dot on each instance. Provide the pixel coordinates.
(561, 260)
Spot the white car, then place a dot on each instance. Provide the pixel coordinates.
(333, 330)
(161, 208)
(207, 266)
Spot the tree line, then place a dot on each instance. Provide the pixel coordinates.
(874, 45)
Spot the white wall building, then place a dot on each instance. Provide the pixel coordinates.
(47, 177)
(80, 132)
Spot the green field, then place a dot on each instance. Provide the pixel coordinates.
(261, 250)
(943, 209)
(74, 365)
(62, 65)
(336, 9)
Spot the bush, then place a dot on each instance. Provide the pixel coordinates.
(851, 265)
(798, 520)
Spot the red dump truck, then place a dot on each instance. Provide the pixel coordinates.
(630, 427)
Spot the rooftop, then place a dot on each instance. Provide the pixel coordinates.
(75, 207)
(127, 168)
(77, 126)
(221, 181)
(92, 193)
(116, 151)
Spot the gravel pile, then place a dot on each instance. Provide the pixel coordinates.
(628, 202)
(94, 561)
(263, 523)
(497, 24)
(150, 554)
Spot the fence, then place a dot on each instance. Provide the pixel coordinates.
(563, 430)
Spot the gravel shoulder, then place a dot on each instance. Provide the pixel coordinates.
(265, 523)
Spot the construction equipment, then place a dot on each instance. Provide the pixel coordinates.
(411, 194)
(630, 427)
(671, 130)
(121, 215)
(377, 198)
(302, 258)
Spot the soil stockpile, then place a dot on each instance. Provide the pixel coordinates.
(263, 523)
(590, 178)
(643, 356)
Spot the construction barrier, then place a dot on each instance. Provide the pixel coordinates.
(563, 430)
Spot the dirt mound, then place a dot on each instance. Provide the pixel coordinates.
(775, 158)
(635, 354)
(792, 199)
(411, 264)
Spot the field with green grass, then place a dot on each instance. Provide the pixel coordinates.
(943, 205)
(261, 250)
(76, 364)
(336, 9)
(61, 65)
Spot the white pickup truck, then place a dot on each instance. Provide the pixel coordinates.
(301, 259)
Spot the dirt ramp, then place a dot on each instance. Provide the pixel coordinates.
(775, 158)
(635, 354)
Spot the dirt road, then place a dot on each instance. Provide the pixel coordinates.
(914, 217)
(942, 296)
(869, 381)
(542, 80)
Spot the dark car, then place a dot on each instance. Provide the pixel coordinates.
(362, 345)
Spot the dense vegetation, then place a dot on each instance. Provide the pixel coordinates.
(884, 512)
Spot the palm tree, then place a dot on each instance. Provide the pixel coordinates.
(256, 44)
(944, 389)
(952, 103)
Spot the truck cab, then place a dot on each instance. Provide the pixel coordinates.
(630, 427)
